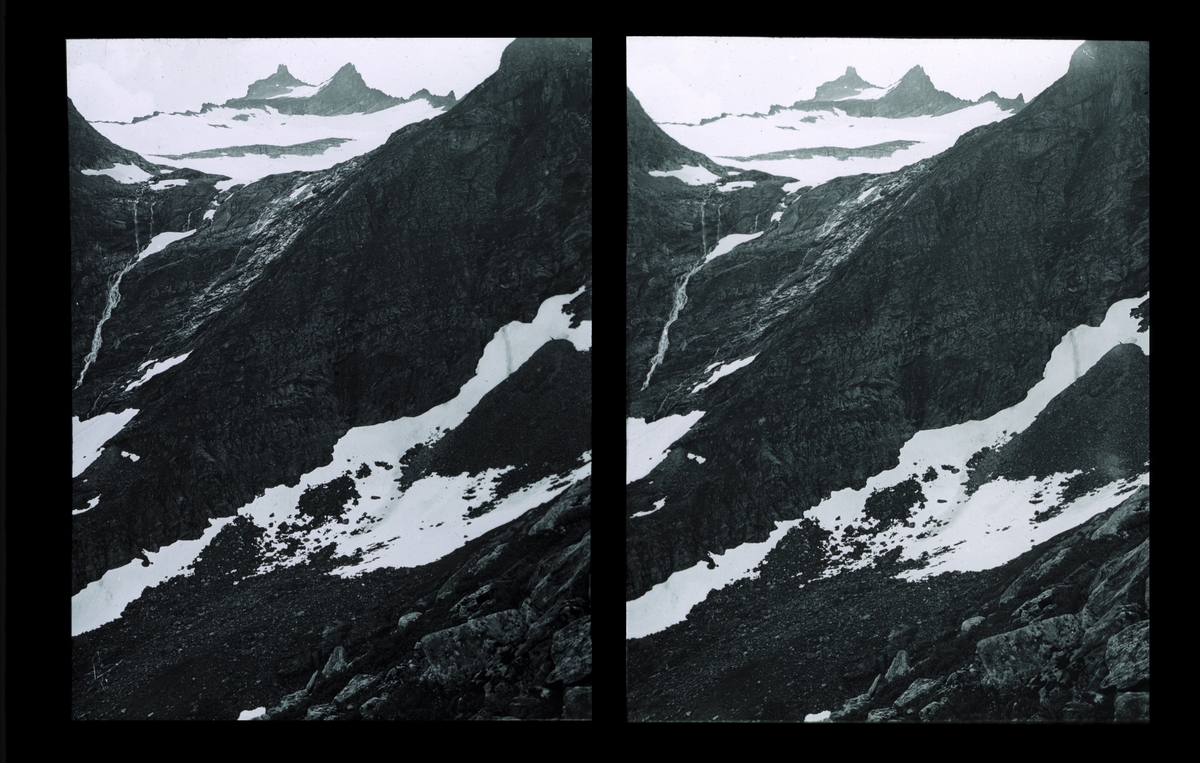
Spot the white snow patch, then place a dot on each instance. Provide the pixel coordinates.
(105, 599)
(91, 505)
(208, 215)
(669, 602)
(697, 459)
(646, 443)
(777, 217)
(866, 193)
(817, 717)
(427, 521)
(168, 183)
(157, 368)
(131, 456)
(249, 715)
(786, 131)
(723, 371)
(734, 186)
(179, 134)
(88, 436)
(995, 524)
(123, 173)
(689, 175)
(162, 241)
(727, 243)
(299, 191)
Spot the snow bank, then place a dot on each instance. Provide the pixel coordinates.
(105, 599)
(734, 186)
(727, 243)
(724, 371)
(394, 528)
(157, 368)
(123, 173)
(88, 436)
(689, 175)
(646, 444)
(162, 241)
(168, 184)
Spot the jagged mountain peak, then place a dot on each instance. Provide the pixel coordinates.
(847, 84)
(279, 83)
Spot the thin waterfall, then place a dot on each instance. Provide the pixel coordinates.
(114, 295)
(679, 301)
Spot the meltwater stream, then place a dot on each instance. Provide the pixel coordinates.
(679, 302)
(114, 295)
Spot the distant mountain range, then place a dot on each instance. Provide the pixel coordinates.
(913, 95)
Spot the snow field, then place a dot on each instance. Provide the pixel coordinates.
(400, 529)
(177, 134)
(160, 185)
(669, 602)
(735, 186)
(657, 505)
(689, 175)
(93, 503)
(88, 436)
(156, 369)
(647, 443)
(785, 131)
(162, 241)
(965, 533)
(727, 243)
(103, 600)
(122, 173)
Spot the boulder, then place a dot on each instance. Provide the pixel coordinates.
(319, 712)
(1119, 581)
(970, 623)
(370, 709)
(853, 710)
(919, 690)
(336, 663)
(1128, 657)
(1011, 659)
(357, 685)
(1133, 512)
(455, 654)
(407, 621)
(571, 651)
(577, 703)
(882, 714)
(289, 702)
(899, 669)
(1132, 706)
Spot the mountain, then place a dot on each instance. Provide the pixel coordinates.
(280, 83)
(906, 378)
(269, 431)
(344, 93)
(846, 85)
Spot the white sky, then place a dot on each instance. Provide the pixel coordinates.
(682, 79)
(122, 79)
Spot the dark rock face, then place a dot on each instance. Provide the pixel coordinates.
(877, 307)
(933, 300)
(318, 302)
(349, 289)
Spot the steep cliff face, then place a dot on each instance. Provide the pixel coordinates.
(883, 305)
(876, 312)
(307, 305)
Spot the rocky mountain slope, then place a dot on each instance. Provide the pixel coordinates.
(312, 309)
(875, 308)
